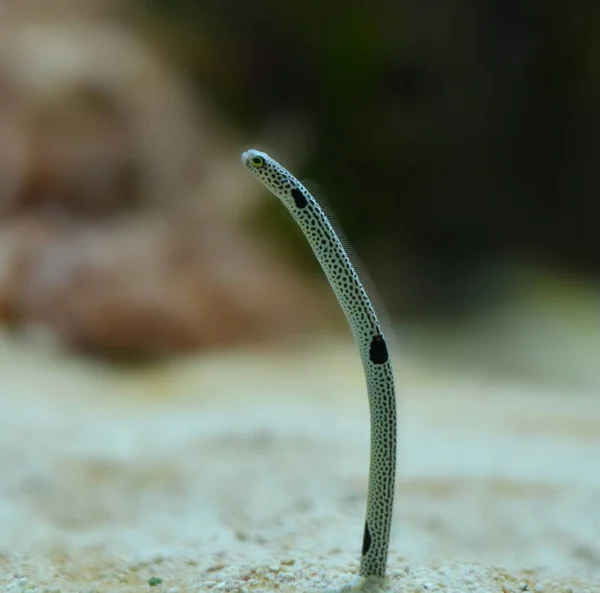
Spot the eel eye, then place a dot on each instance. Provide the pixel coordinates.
(258, 161)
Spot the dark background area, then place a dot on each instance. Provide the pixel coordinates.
(449, 135)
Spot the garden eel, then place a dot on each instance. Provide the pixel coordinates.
(335, 259)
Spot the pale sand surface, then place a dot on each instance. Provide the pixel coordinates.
(247, 472)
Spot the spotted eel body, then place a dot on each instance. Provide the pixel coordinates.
(371, 342)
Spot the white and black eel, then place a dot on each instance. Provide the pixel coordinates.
(352, 296)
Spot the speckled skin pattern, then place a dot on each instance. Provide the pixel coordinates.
(371, 343)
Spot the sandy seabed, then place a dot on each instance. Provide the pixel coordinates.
(247, 471)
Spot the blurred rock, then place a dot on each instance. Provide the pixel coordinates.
(144, 287)
(121, 202)
(72, 156)
(90, 102)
